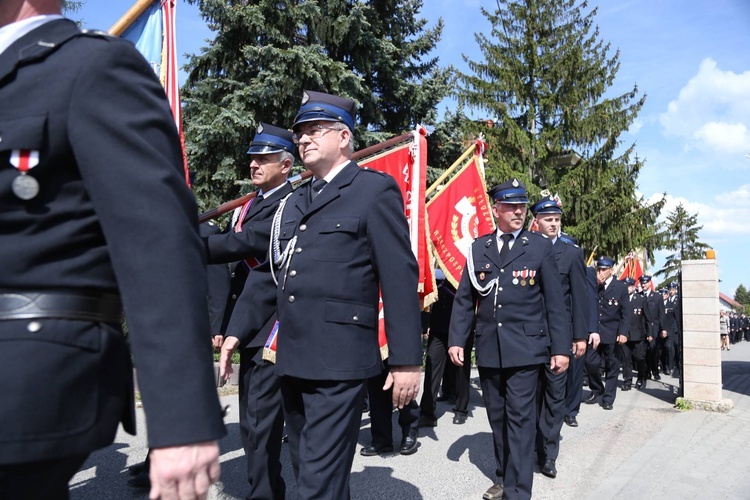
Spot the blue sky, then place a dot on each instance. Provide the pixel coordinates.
(691, 59)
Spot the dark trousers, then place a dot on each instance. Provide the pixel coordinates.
(550, 412)
(665, 350)
(606, 389)
(633, 352)
(510, 399)
(652, 357)
(574, 385)
(322, 419)
(261, 424)
(436, 364)
(47, 480)
(381, 410)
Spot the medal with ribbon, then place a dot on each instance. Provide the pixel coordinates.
(524, 275)
(24, 186)
(516, 274)
(532, 273)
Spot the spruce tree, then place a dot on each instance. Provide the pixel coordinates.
(265, 53)
(543, 76)
(742, 296)
(681, 237)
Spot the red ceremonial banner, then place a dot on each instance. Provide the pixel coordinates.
(458, 214)
(407, 164)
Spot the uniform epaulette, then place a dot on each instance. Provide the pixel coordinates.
(537, 234)
(372, 170)
(97, 33)
(568, 242)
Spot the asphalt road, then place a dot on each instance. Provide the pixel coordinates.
(643, 448)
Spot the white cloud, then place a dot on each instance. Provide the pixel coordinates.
(727, 213)
(712, 111)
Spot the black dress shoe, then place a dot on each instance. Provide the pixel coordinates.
(607, 406)
(371, 451)
(136, 469)
(639, 383)
(548, 469)
(459, 418)
(657, 376)
(571, 421)
(626, 386)
(427, 422)
(592, 400)
(494, 493)
(409, 444)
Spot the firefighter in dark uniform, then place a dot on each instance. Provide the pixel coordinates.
(338, 241)
(614, 328)
(511, 288)
(552, 387)
(96, 217)
(252, 319)
(672, 319)
(654, 312)
(634, 350)
(437, 356)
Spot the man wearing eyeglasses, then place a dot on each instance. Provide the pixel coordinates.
(338, 241)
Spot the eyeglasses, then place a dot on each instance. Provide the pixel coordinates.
(313, 132)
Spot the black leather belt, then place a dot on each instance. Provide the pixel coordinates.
(84, 306)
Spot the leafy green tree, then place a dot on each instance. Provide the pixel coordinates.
(742, 296)
(681, 236)
(542, 77)
(265, 53)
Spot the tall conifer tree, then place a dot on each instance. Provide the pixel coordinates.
(681, 237)
(543, 77)
(265, 53)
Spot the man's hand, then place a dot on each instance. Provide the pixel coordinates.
(663, 334)
(594, 340)
(405, 382)
(559, 363)
(225, 360)
(456, 354)
(621, 339)
(217, 340)
(579, 348)
(184, 472)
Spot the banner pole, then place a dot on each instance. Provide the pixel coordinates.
(358, 155)
(122, 24)
(450, 170)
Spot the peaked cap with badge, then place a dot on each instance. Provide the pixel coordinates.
(271, 139)
(546, 205)
(511, 191)
(319, 106)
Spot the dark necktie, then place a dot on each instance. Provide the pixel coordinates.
(507, 238)
(317, 187)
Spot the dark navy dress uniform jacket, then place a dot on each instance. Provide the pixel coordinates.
(351, 241)
(113, 214)
(529, 322)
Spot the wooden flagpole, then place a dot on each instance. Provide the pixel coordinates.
(450, 170)
(358, 155)
(122, 24)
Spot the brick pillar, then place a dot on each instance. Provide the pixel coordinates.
(701, 344)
